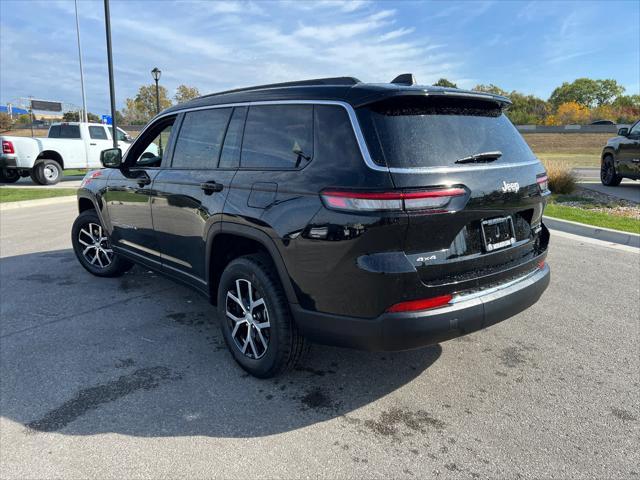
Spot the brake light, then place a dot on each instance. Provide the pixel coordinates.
(418, 305)
(434, 200)
(543, 182)
(541, 264)
(7, 147)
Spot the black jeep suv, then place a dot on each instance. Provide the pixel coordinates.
(621, 157)
(380, 217)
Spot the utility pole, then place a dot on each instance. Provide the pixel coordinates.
(112, 88)
(31, 113)
(84, 98)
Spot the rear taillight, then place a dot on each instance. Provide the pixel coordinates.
(436, 200)
(7, 147)
(418, 305)
(543, 182)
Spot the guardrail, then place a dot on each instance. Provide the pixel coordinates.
(570, 128)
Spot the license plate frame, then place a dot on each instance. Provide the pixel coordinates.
(498, 233)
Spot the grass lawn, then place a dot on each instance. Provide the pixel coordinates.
(590, 217)
(20, 194)
(75, 172)
(571, 160)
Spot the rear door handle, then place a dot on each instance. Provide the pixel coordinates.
(211, 186)
(94, 144)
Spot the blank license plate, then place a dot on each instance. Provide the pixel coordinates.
(498, 233)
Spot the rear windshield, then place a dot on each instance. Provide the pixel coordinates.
(414, 132)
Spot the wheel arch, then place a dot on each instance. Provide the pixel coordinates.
(606, 152)
(49, 155)
(230, 241)
(87, 201)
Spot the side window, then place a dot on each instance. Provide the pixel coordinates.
(200, 138)
(97, 133)
(69, 131)
(122, 137)
(230, 156)
(147, 151)
(54, 132)
(635, 130)
(278, 136)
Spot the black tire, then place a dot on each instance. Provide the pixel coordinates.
(87, 222)
(48, 172)
(608, 174)
(33, 173)
(285, 345)
(9, 175)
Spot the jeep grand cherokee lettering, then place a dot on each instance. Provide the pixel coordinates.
(372, 216)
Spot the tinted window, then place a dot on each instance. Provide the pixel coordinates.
(200, 138)
(98, 133)
(230, 156)
(69, 131)
(122, 137)
(54, 132)
(429, 131)
(278, 136)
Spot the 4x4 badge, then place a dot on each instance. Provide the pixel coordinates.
(510, 187)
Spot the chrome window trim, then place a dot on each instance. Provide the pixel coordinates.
(355, 125)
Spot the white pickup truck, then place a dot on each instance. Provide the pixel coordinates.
(72, 145)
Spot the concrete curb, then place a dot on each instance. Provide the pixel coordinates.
(599, 233)
(41, 202)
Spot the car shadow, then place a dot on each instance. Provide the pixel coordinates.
(140, 355)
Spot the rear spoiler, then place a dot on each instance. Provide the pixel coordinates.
(502, 102)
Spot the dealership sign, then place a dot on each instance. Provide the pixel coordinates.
(46, 106)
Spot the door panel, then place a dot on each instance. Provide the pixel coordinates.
(191, 193)
(183, 213)
(629, 153)
(128, 201)
(130, 191)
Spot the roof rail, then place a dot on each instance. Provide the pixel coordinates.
(300, 83)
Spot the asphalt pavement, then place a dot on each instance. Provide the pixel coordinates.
(130, 378)
(590, 178)
(68, 181)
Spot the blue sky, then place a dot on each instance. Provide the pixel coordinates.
(530, 46)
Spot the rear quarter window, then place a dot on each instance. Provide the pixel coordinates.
(278, 136)
(415, 132)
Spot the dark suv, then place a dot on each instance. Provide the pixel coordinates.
(379, 217)
(621, 157)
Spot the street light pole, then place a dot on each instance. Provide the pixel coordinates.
(112, 88)
(155, 73)
(84, 98)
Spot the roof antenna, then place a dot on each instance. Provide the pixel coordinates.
(405, 79)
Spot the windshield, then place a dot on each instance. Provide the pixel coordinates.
(413, 132)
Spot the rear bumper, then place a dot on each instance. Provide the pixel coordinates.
(8, 161)
(403, 331)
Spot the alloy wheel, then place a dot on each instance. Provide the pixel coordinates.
(50, 173)
(248, 319)
(96, 247)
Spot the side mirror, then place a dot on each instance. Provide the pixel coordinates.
(111, 158)
(623, 132)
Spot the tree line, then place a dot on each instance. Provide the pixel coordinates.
(579, 102)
